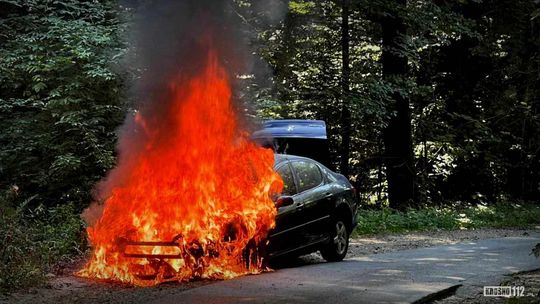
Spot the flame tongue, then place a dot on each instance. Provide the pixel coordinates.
(199, 186)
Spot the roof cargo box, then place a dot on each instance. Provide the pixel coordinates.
(297, 137)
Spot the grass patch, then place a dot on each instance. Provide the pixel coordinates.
(33, 241)
(431, 218)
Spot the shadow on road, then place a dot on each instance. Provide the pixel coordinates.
(288, 262)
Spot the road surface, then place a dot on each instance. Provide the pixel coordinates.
(399, 277)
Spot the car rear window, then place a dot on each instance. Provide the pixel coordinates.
(309, 175)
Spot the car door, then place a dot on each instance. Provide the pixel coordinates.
(313, 201)
(284, 236)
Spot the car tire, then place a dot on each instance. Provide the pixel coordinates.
(337, 248)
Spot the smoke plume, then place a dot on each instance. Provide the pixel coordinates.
(171, 40)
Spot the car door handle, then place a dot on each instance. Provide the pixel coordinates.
(327, 195)
(300, 206)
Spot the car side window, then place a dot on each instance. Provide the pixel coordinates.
(288, 180)
(309, 175)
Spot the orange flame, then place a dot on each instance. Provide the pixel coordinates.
(199, 184)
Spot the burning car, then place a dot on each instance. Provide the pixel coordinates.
(316, 210)
(317, 207)
(184, 204)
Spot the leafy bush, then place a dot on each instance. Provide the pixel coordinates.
(20, 264)
(503, 215)
(33, 240)
(432, 218)
(61, 97)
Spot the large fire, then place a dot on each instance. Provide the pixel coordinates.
(197, 203)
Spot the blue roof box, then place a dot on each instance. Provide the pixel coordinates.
(292, 128)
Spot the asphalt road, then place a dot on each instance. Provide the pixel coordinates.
(399, 277)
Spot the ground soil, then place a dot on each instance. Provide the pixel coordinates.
(530, 280)
(382, 243)
(63, 287)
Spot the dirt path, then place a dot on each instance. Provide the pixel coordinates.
(529, 280)
(394, 242)
(66, 288)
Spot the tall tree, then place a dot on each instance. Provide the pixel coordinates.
(345, 89)
(397, 135)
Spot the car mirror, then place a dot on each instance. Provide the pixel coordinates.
(283, 201)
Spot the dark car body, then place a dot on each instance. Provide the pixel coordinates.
(316, 198)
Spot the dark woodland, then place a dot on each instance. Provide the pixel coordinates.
(427, 103)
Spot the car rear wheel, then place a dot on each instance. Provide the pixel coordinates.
(336, 249)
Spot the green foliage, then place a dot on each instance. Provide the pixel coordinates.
(21, 263)
(501, 215)
(431, 218)
(389, 220)
(60, 98)
(34, 240)
(304, 54)
(298, 7)
(473, 70)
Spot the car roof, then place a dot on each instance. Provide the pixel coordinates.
(279, 158)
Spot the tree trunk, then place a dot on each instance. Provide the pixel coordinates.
(282, 71)
(345, 89)
(397, 135)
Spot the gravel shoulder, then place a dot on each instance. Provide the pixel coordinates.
(63, 287)
(382, 243)
(529, 280)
